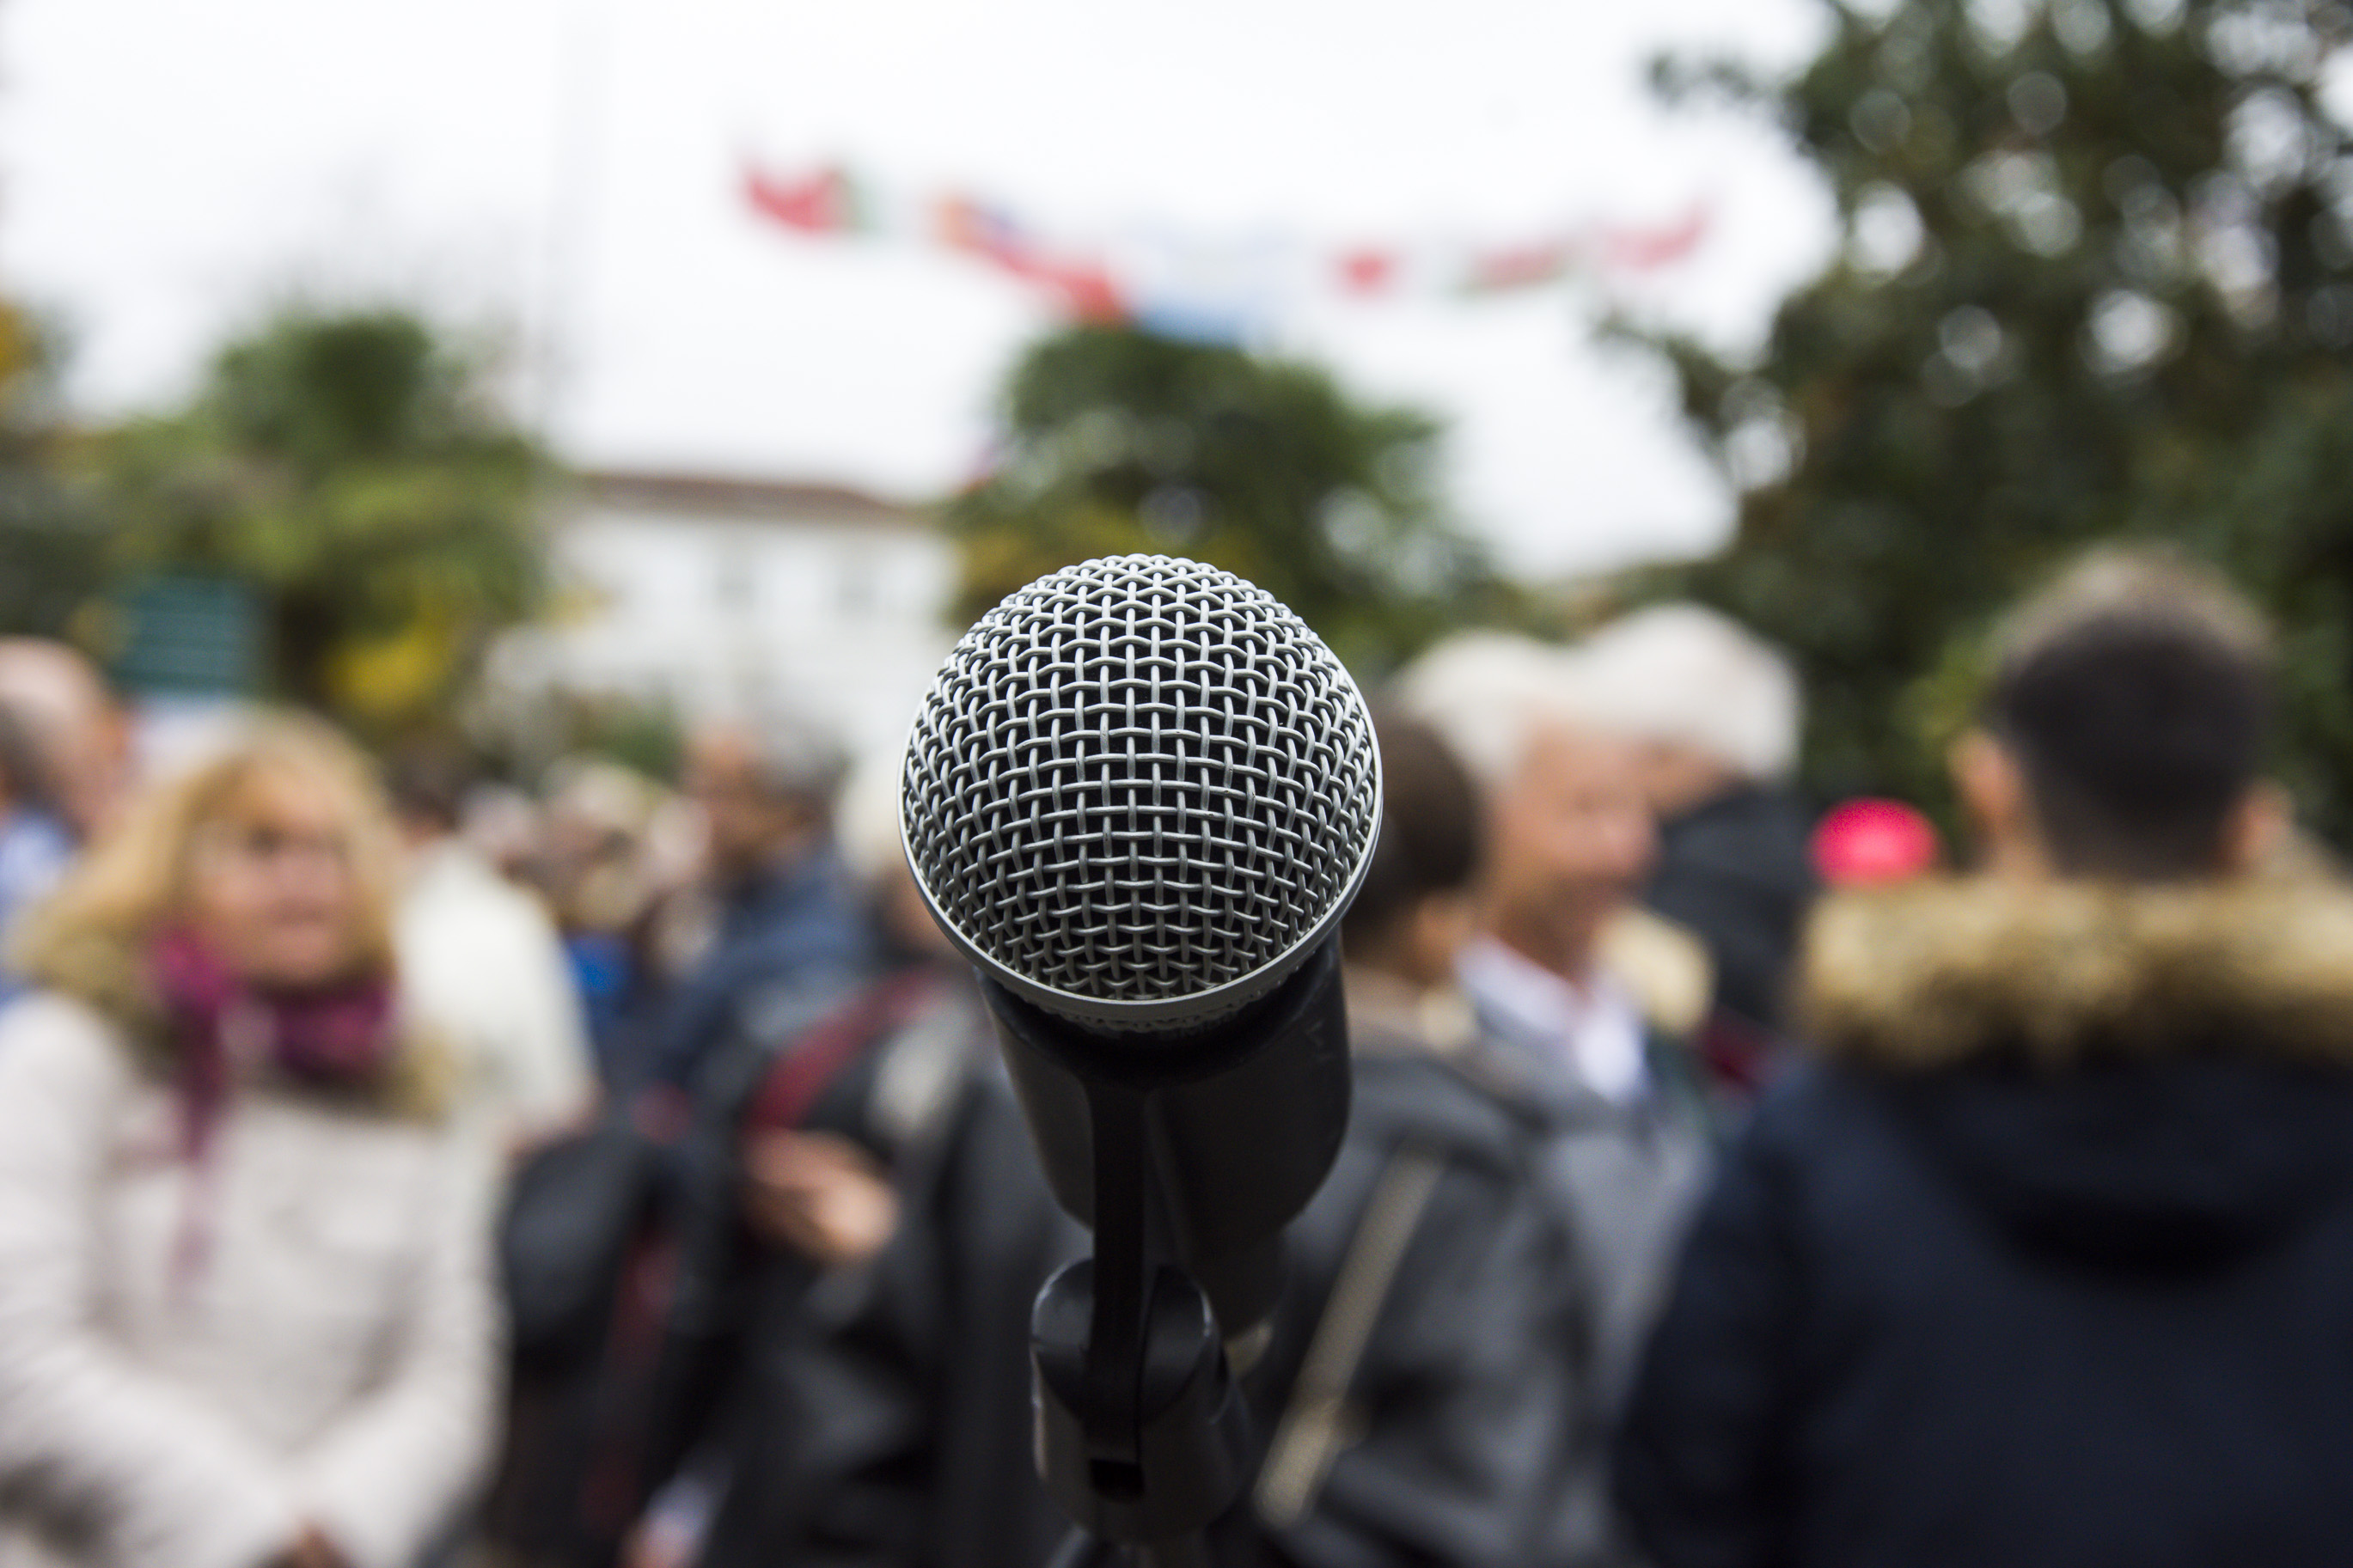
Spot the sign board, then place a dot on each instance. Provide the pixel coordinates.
(186, 635)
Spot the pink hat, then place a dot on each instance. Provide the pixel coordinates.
(1863, 843)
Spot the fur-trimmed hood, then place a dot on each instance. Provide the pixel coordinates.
(1934, 973)
(2140, 1077)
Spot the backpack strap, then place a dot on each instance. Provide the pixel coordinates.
(1314, 1425)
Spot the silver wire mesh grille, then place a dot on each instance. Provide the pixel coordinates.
(1139, 780)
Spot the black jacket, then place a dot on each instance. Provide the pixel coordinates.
(1737, 873)
(909, 1403)
(790, 945)
(2047, 1261)
(1462, 1419)
(893, 1428)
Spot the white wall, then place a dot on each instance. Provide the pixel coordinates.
(724, 610)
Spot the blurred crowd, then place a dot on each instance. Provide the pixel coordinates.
(400, 1167)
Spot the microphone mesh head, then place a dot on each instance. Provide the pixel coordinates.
(1139, 790)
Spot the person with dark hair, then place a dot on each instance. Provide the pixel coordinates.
(2123, 737)
(631, 1414)
(1418, 1388)
(2042, 1259)
(896, 1231)
(1422, 1380)
(1417, 892)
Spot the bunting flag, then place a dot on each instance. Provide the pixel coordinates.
(822, 203)
(1194, 287)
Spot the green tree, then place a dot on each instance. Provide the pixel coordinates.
(2097, 282)
(1120, 441)
(54, 550)
(353, 469)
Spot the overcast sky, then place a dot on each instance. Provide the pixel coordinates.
(568, 173)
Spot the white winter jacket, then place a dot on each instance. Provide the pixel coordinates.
(332, 1360)
(481, 963)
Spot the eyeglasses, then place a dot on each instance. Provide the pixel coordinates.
(267, 844)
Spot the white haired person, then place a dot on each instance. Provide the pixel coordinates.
(1716, 713)
(245, 1309)
(1569, 841)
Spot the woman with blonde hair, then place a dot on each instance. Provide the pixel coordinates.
(245, 1318)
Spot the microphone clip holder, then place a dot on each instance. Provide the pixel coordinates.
(1185, 1158)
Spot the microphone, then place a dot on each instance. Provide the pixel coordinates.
(1139, 790)
(1139, 796)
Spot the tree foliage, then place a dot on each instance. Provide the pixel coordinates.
(1120, 441)
(352, 467)
(54, 550)
(2097, 281)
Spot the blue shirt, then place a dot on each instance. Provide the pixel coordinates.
(788, 947)
(35, 850)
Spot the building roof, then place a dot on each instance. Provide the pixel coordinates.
(752, 499)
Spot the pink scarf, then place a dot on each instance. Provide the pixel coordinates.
(219, 1026)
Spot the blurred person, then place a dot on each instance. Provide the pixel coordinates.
(795, 939)
(78, 731)
(480, 962)
(245, 1314)
(825, 1195)
(2042, 1259)
(873, 1303)
(1432, 1410)
(632, 1228)
(1569, 843)
(1433, 1413)
(604, 881)
(791, 937)
(1717, 713)
(502, 824)
(902, 1434)
(34, 846)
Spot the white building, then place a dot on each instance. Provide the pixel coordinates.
(728, 595)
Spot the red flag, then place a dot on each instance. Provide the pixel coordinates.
(1084, 288)
(1522, 267)
(1367, 271)
(1645, 250)
(821, 203)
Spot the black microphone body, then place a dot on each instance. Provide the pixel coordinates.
(1243, 1120)
(1185, 1168)
(1140, 796)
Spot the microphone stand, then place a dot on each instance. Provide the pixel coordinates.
(1186, 1164)
(1080, 1549)
(1142, 1435)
